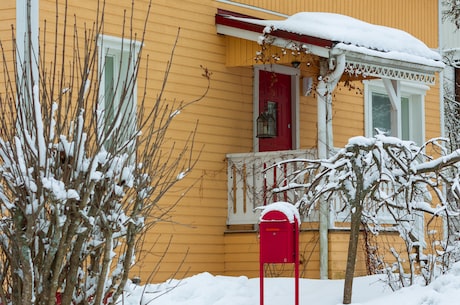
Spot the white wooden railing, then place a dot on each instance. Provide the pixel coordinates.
(251, 176)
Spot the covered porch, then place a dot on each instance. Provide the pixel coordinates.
(319, 51)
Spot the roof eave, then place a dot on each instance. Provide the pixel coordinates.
(395, 63)
(229, 25)
(228, 21)
(373, 66)
(368, 64)
(237, 32)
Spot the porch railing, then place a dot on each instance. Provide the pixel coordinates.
(251, 176)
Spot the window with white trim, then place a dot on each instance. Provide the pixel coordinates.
(117, 91)
(405, 120)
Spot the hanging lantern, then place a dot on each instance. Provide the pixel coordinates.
(266, 122)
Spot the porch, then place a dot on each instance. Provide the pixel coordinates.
(252, 177)
(400, 70)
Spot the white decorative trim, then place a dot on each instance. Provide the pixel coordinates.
(369, 70)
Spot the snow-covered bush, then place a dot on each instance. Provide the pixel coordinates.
(384, 178)
(77, 191)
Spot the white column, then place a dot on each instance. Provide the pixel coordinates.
(325, 87)
(27, 42)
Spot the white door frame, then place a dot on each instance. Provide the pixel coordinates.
(295, 97)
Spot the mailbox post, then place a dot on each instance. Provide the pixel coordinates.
(279, 240)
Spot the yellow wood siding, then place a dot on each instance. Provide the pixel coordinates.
(194, 238)
(432, 113)
(7, 24)
(308, 117)
(348, 112)
(242, 253)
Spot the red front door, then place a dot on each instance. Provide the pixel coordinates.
(276, 88)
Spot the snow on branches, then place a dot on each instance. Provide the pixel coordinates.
(384, 183)
(77, 196)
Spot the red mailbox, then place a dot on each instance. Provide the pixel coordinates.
(279, 240)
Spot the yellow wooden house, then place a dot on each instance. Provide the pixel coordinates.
(318, 98)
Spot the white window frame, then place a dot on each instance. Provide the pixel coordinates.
(22, 31)
(415, 93)
(125, 55)
(22, 49)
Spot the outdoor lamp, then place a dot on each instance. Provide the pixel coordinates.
(266, 122)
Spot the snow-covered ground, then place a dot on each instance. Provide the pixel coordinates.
(207, 289)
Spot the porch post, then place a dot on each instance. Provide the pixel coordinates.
(326, 86)
(27, 49)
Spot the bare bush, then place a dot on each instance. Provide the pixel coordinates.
(84, 163)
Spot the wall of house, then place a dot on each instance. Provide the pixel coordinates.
(194, 239)
(225, 126)
(242, 254)
(8, 14)
(7, 25)
(241, 249)
(432, 112)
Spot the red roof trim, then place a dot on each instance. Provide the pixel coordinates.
(222, 19)
(235, 14)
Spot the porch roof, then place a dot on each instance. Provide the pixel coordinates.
(370, 50)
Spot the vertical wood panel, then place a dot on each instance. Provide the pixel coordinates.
(225, 123)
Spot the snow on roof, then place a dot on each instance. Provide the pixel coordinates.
(355, 35)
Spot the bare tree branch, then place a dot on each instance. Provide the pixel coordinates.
(79, 188)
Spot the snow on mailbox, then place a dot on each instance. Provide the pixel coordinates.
(279, 240)
(278, 229)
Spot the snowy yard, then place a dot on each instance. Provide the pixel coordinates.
(206, 289)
